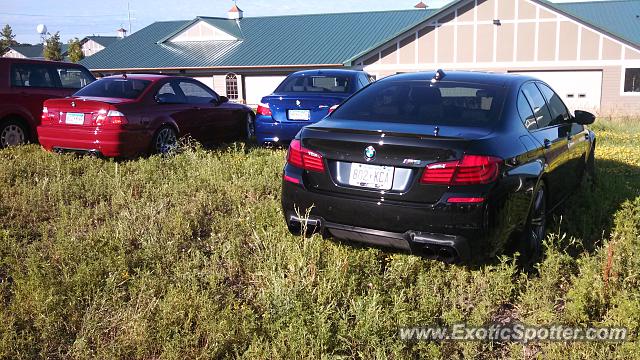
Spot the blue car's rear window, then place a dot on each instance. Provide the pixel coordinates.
(316, 83)
(423, 102)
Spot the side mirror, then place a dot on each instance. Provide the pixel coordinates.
(222, 100)
(584, 117)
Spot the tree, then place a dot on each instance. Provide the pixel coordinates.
(75, 50)
(7, 38)
(53, 48)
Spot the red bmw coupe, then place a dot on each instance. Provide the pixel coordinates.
(131, 115)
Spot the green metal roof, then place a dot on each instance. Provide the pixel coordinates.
(103, 40)
(619, 18)
(319, 39)
(30, 51)
(35, 51)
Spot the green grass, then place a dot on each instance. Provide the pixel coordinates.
(188, 257)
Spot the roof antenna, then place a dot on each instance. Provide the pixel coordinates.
(438, 76)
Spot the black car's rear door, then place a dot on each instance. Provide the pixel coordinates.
(577, 140)
(554, 141)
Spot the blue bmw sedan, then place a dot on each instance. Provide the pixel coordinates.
(304, 98)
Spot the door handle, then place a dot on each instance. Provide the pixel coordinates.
(547, 143)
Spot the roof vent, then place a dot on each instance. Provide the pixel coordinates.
(421, 5)
(122, 32)
(235, 13)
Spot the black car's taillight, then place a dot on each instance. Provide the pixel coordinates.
(303, 158)
(471, 169)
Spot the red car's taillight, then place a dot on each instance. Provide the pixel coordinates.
(109, 117)
(304, 158)
(49, 117)
(472, 169)
(263, 109)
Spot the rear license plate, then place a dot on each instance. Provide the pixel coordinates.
(74, 119)
(304, 115)
(371, 176)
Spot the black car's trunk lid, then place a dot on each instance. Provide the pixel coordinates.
(408, 148)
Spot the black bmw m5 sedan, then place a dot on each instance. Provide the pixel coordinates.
(456, 166)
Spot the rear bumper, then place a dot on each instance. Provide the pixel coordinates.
(450, 232)
(96, 141)
(270, 131)
(448, 248)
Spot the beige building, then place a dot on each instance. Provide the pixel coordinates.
(589, 52)
(94, 44)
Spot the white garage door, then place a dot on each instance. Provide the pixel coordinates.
(206, 80)
(580, 90)
(258, 87)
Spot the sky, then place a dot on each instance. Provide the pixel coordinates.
(80, 18)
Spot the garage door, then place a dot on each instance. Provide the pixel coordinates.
(258, 87)
(580, 90)
(206, 80)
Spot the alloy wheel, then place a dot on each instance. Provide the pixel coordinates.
(12, 135)
(251, 130)
(166, 141)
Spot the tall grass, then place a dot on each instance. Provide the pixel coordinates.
(188, 257)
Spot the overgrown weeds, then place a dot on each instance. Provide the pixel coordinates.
(189, 257)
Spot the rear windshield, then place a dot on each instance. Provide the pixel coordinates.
(115, 88)
(421, 102)
(316, 83)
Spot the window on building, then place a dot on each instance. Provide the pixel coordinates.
(232, 86)
(632, 80)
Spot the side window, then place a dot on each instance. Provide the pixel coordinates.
(73, 78)
(526, 113)
(559, 112)
(540, 109)
(29, 75)
(363, 80)
(195, 93)
(168, 94)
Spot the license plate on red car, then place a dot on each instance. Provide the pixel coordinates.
(371, 176)
(74, 119)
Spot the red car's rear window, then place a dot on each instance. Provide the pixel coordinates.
(115, 88)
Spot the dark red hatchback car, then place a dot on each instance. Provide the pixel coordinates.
(24, 85)
(132, 115)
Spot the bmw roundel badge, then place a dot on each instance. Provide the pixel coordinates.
(370, 153)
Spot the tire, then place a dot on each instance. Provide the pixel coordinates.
(250, 127)
(531, 244)
(13, 133)
(589, 176)
(165, 141)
